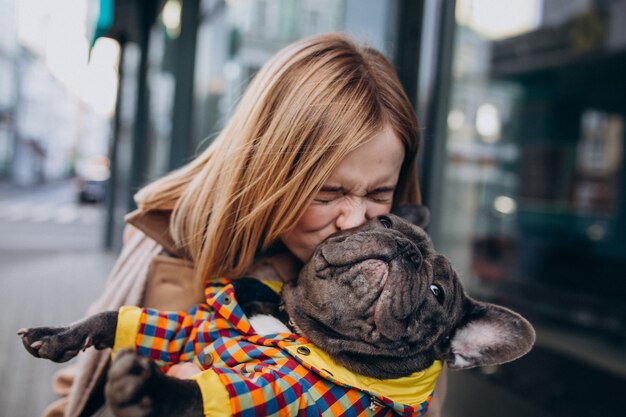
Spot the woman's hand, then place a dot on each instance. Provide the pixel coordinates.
(183, 370)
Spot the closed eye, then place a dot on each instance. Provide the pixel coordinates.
(381, 196)
(325, 197)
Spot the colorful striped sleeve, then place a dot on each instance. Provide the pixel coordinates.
(215, 399)
(128, 319)
(165, 337)
(263, 391)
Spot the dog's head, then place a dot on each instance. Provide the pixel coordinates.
(383, 303)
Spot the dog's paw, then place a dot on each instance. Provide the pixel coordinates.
(127, 385)
(59, 344)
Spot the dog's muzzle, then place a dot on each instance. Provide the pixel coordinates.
(388, 265)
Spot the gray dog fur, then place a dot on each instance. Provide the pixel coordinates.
(378, 299)
(383, 303)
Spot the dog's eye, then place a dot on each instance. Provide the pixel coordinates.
(385, 221)
(437, 292)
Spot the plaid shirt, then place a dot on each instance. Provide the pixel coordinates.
(250, 375)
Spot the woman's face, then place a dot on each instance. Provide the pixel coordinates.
(360, 188)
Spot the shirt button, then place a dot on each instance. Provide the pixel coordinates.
(227, 300)
(303, 350)
(207, 360)
(375, 403)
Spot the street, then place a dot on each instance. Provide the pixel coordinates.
(51, 270)
(47, 218)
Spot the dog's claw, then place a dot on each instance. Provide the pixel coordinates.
(88, 343)
(36, 345)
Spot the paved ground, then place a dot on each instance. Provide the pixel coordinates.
(48, 218)
(51, 269)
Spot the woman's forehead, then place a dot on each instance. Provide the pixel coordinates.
(375, 163)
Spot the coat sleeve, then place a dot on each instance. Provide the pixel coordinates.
(165, 337)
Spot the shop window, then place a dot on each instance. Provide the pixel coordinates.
(534, 201)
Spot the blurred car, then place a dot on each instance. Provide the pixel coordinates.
(92, 175)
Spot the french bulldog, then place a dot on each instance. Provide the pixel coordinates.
(377, 298)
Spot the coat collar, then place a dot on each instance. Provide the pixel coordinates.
(155, 224)
(282, 266)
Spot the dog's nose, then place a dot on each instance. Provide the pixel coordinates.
(402, 243)
(416, 258)
(410, 252)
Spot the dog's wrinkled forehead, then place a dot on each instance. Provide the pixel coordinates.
(384, 238)
(387, 224)
(411, 231)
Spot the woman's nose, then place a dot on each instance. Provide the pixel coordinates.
(353, 214)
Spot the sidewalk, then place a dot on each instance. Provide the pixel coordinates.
(41, 289)
(50, 272)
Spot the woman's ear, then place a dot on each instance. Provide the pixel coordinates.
(416, 214)
(490, 335)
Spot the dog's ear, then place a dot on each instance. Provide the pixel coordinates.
(413, 213)
(490, 335)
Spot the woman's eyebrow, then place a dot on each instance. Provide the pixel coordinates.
(338, 189)
(383, 189)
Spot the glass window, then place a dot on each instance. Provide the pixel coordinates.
(236, 38)
(533, 191)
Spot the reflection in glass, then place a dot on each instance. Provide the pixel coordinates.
(533, 193)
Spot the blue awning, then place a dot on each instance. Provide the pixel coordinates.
(105, 19)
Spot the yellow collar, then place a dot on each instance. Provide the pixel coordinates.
(276, 286)
(411, 390)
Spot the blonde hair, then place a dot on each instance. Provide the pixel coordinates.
(314, 102)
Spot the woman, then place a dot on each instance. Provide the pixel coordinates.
(323, 139)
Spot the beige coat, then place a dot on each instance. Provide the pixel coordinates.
(152, 272)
